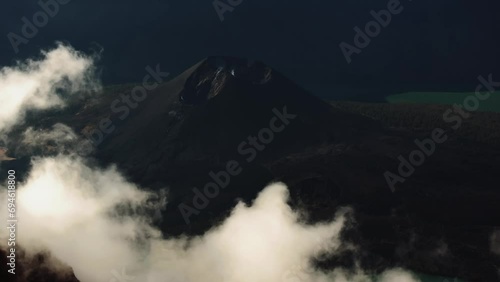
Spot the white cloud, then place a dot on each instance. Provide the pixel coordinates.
(59, 139)
(495, 242)
(35, 84)
(69, 209)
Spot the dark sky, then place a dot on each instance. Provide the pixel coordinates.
(430, 44)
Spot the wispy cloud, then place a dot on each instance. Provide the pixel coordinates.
(495, 242)
(38, 84)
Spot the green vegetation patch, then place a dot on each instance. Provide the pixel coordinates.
(492, 104)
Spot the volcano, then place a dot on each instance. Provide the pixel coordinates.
(231, 110)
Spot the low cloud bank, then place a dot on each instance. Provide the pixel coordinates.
(94, 221)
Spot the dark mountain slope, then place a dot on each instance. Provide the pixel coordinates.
(438, 221)
(179, 135)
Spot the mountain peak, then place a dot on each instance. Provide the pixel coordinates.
(213, 74)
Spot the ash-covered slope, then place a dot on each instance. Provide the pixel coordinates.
(196, 124)
(228, 110)
(208, 111)
(222, 110)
